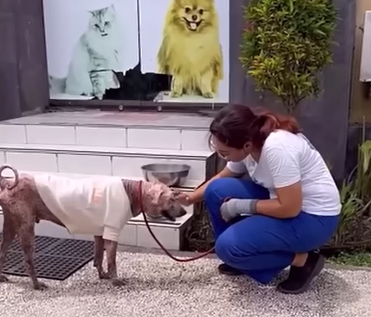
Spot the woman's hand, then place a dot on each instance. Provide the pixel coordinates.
(187, 199)
(184, 199)
(232, 208)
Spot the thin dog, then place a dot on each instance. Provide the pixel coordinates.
(100, 206)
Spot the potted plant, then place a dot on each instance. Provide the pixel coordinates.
(285, 44)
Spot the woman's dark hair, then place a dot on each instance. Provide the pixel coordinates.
(235, 125)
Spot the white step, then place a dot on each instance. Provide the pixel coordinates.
(121, 130)
(135, 233)
(125, 162)
(109, 143)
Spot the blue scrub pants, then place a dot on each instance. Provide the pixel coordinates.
(260, 246)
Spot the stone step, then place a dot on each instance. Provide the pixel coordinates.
(121, 130)
(93, 160)
(135, 233)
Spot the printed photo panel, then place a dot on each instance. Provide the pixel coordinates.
(87, 42)
(188, 40)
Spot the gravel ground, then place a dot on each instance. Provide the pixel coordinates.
(158, 286)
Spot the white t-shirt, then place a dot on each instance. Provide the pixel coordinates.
(287, 158)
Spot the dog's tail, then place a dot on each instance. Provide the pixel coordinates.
(3, 180)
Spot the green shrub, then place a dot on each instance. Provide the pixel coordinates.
(354, 230)
(286, 44)
(363, 172)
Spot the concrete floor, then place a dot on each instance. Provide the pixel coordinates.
(158, 286)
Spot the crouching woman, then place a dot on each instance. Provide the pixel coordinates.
(288, 208)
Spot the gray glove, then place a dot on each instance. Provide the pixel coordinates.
(237, 207)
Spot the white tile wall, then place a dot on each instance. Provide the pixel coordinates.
(154, 138)
(99, 136)
(49, 229)
(171, 139)
(194, 140)
(168, 237)
(43, 134)
(84, 164)
(86, 237)
(129, 235)
(2, 157)
(131, 167)
(132, 235)
(95, 164)
(38, 162)
(15, 134)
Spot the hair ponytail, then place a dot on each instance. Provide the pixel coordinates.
(269, 122)
(234, 125)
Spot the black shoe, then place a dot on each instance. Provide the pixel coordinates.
(300, 277)
(228, 270)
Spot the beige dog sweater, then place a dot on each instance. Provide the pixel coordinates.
(95, 205)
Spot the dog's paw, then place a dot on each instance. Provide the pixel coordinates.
(176, 87)
(40, 286)
(103, 276)
(3, 279)
(175, 94)
(118, 282)
(208, 95)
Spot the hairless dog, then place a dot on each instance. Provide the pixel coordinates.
(23, 206)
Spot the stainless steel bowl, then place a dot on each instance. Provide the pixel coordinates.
(169, 174)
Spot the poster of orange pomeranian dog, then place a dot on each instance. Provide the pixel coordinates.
(191, 48)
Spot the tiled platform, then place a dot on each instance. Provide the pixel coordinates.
(99, 160)
(109, 143)
(105, 143)
(110, 129)
(122, 119)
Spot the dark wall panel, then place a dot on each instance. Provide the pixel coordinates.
(32, 65)
(325, 119)
(23, 67)
(9, 89)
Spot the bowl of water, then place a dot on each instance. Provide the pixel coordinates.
(170, 174)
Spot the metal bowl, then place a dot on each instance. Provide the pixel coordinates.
(169, 174)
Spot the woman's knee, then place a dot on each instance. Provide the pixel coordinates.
(215, 189)
(228, 251)
(220, 189)
(244, 240)
(212, 197)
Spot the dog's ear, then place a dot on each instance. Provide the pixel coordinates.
(167, 215)
(155, 192)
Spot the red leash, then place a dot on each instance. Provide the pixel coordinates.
(159, 243)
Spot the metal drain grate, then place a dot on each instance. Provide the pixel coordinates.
(55, 258)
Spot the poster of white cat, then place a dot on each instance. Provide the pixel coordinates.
(86, 40)
(189, 40)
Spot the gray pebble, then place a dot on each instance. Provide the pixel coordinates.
(158, 286)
